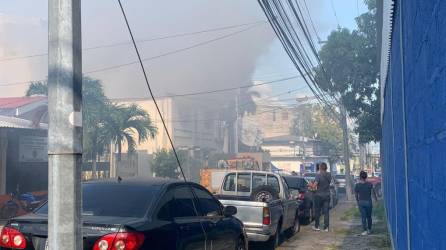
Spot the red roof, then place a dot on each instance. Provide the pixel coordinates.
(16, 102)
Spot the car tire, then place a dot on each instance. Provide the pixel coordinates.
(264, 193)
(290, 232)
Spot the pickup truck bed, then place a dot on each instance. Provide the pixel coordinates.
(251, 214)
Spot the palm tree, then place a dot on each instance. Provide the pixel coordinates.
(124, 123)
(95, 106)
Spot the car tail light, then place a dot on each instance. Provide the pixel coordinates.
(120, 241)
(266, 216)
(301, 196)
(12, 238)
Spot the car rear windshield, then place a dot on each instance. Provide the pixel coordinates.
(114, 200)
(296, 182)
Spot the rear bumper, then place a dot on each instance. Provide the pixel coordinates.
(258, 237)
(260, 233)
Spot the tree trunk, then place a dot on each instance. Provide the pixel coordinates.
(93, 168)
(362, 156)
(119, 151)
(348, 180)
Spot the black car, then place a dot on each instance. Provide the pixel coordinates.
(299, 185)
(139, 214)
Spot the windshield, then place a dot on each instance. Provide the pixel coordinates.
(114, 200)
(296, 182)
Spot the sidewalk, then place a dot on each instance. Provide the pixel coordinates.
(344, 233)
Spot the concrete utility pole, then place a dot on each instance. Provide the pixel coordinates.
(236, 125)
(346, 149)
(65, 124)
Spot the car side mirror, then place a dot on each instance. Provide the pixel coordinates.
(229, 211)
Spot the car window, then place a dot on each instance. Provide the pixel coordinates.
(208, 204)
(101, 200)
(258, 180)
(229, 183)
(183, 205)
(244, 183)
(166, 206)
(273, 182)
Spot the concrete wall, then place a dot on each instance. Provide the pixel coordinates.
(414, 127)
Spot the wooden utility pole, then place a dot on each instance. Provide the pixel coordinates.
(65, 124)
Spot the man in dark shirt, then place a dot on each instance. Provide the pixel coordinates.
(322, 197)
(363, 193)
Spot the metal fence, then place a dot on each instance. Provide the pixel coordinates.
(414, 127)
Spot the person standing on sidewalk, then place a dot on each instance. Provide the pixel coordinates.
(322, 197)
(363, 194)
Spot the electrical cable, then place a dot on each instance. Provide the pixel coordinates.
(146, 59)
(139, 41)
(151, 92)
(335, 14)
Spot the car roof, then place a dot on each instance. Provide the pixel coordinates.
(250, 171)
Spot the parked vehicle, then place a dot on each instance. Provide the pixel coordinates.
(300, 185)
(264, 205)
(21, 204)
(138, 213)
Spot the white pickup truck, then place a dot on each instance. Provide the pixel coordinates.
(264, 204)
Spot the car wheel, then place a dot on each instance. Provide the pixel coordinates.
(240, 244)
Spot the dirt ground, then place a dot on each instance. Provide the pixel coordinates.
(345, 229)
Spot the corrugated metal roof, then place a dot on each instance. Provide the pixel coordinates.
(13, 122)
(16, 102)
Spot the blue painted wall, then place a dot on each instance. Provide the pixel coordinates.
(416, 86)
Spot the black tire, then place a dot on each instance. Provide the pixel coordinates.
(240, 244)
(9, 211)
(264, 193)
(290, 232)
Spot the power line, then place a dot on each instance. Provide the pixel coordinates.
(335, 14)
(146, 59)
(151, 92)
(232, 88)
(311, 22)
(139, 41)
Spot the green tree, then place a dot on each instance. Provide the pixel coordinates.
(350, 70)
(37, 88)
(94, 112)
(128, 124)
(165, 164)
(313, 122)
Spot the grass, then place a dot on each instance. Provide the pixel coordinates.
(351, 213)
(332, 247)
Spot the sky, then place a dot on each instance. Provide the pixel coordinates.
(238, 56)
